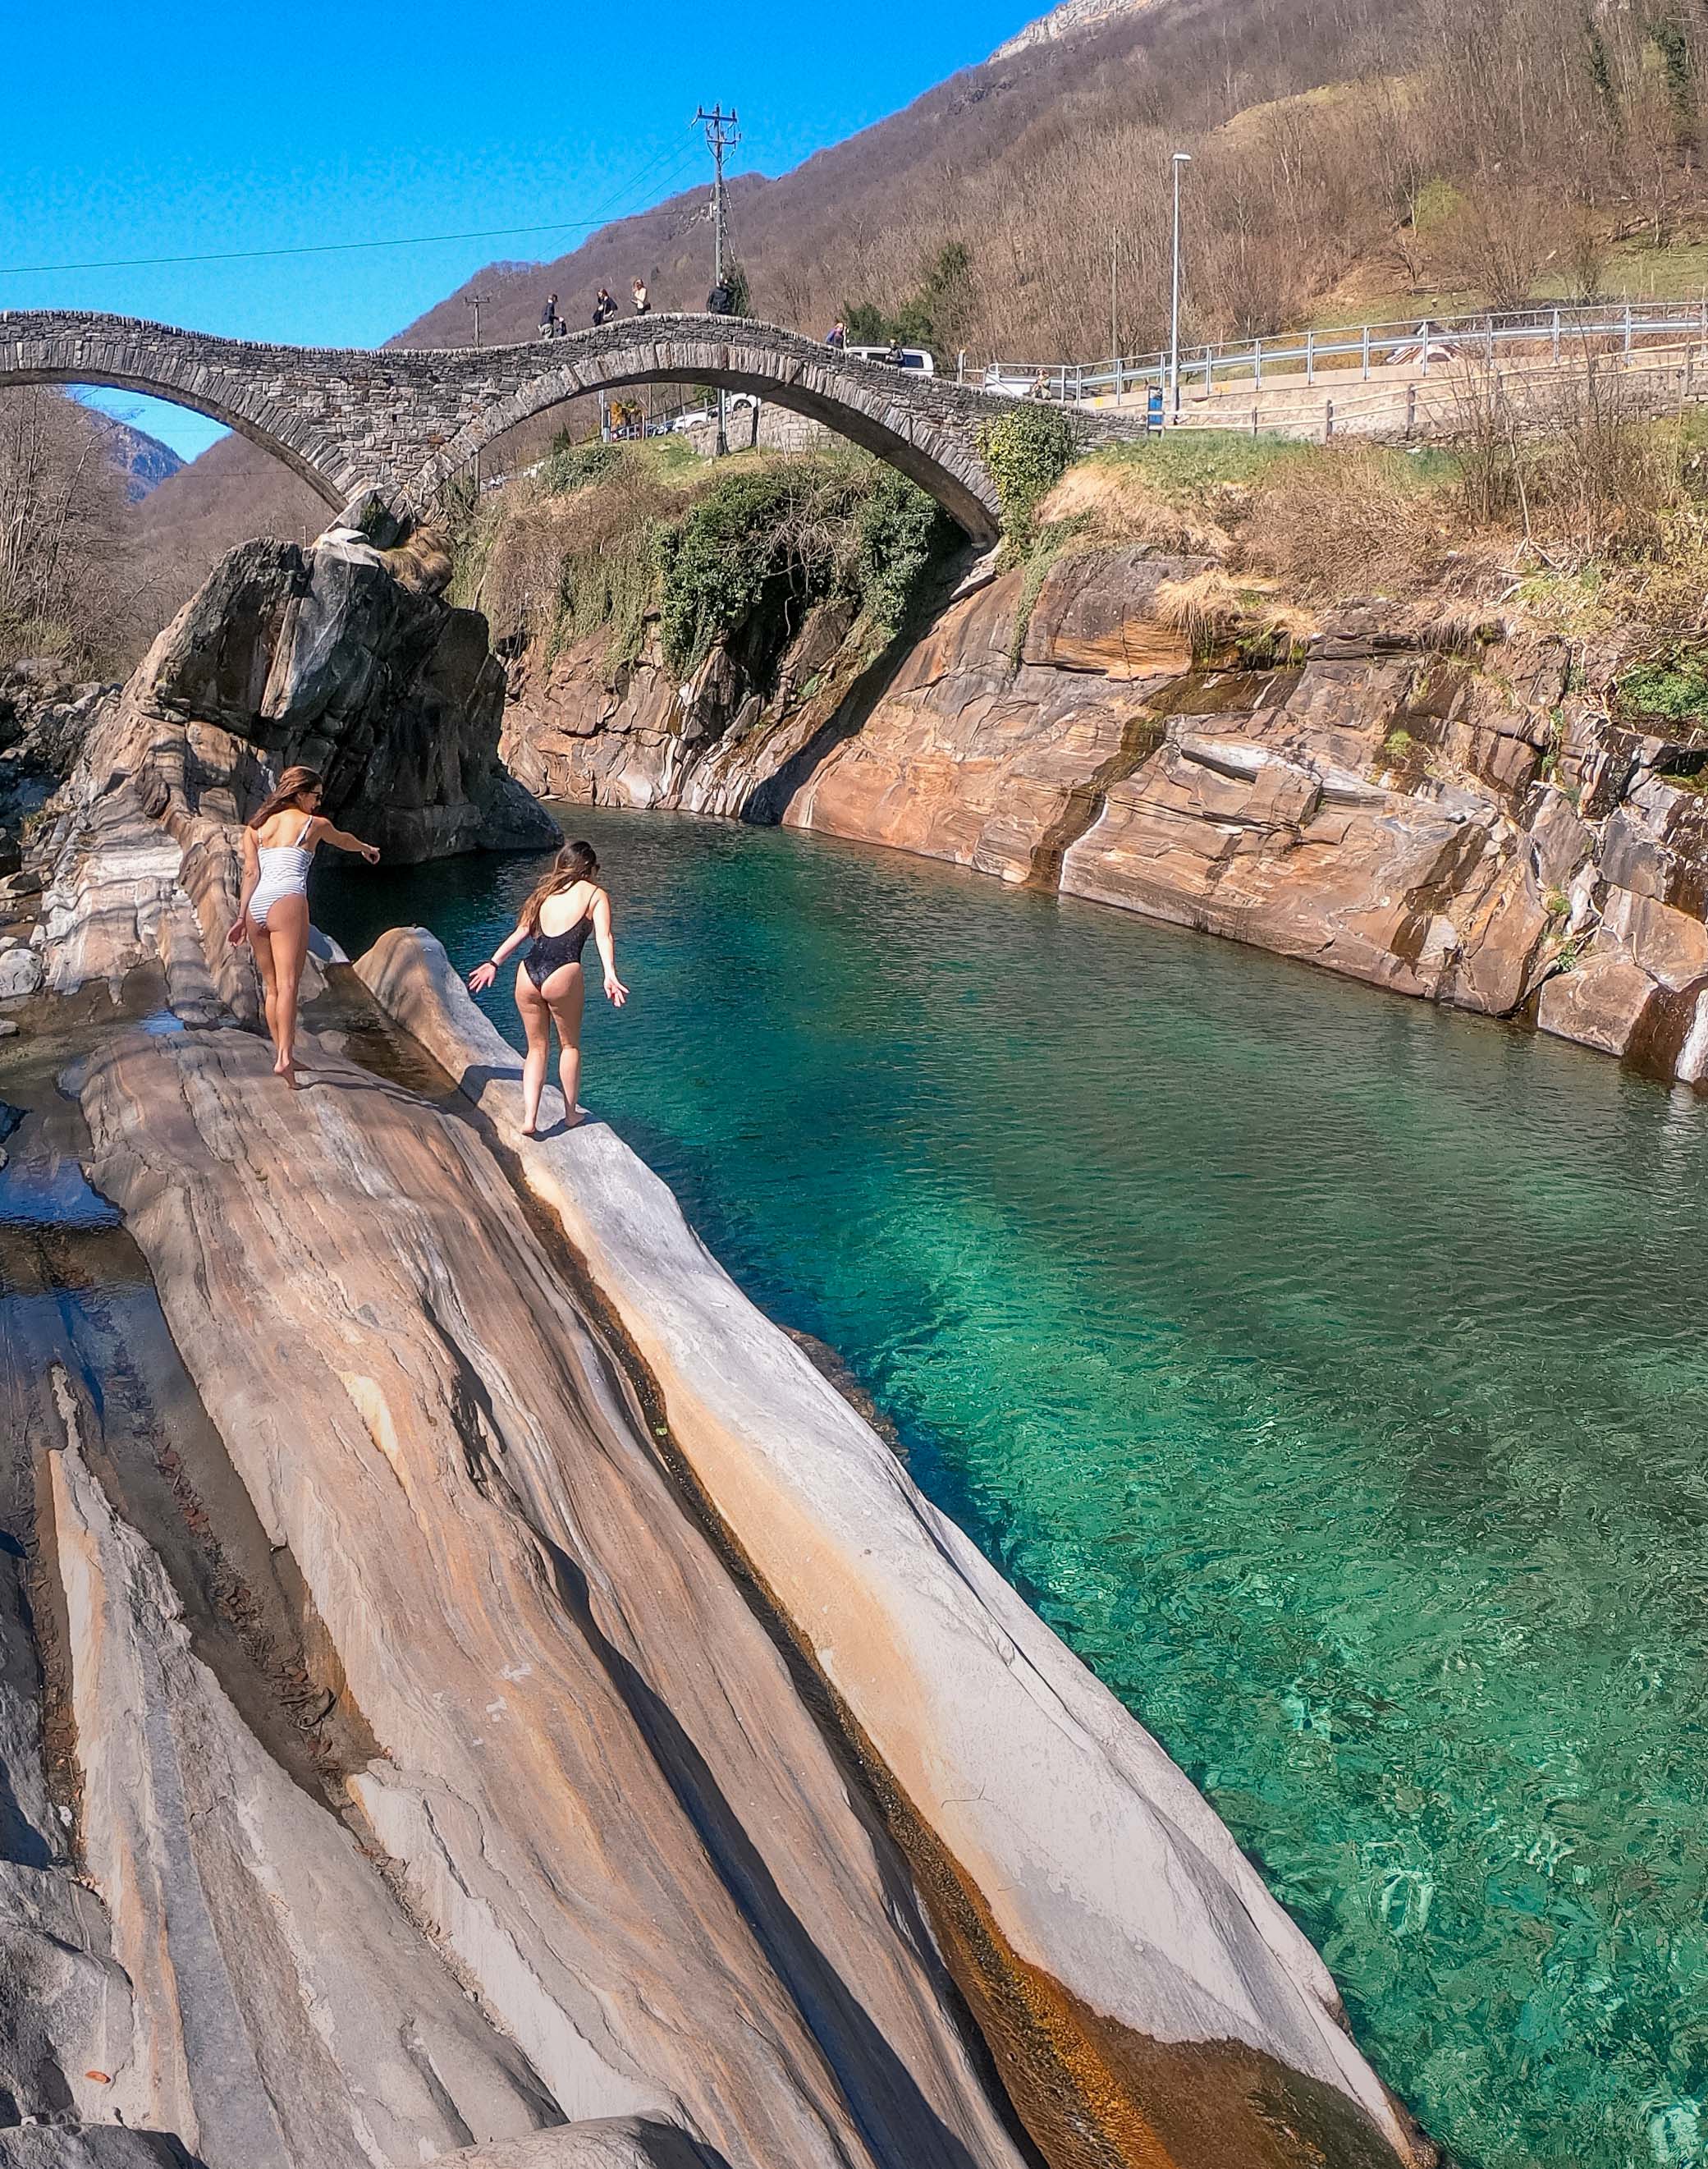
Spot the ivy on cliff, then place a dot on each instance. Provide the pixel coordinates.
(609, 538)
(797, 531)
(1027, 452)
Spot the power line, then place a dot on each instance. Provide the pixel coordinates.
(344, 248)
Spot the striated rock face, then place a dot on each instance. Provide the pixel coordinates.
(343, 658)
(729, 741)
(340, 656)
(1147, 1998)
(1445, 811)
(594, 1779)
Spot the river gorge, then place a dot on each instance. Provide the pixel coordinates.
(1185, 1647)
(1326, 1367)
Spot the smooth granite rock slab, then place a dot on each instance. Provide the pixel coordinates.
(612, 2143)
(596, 1779)
(286, 2014)
(1120, 1899)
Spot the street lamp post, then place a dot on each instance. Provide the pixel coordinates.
(1181, 158)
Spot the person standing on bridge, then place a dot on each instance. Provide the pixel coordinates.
(548, 317)
(643, 307)
(604, 308)
(837, 337)
(279, 841)
(564, 909)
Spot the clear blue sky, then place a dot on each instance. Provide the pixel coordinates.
(188, 127)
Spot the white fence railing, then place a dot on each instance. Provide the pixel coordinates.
(1648, 380)
(1414, 346)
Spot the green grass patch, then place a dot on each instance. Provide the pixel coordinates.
(1668, 693)
(1188, 463)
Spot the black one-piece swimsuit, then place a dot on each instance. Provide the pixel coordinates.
(550, 952)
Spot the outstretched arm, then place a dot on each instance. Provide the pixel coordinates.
(340, 841)
(483, 975)
(614, 988)
(251, 876)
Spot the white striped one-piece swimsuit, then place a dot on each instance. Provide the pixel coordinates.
(283, 872)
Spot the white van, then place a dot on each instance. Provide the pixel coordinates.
(913, 357)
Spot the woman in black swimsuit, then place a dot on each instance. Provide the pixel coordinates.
(565, 907)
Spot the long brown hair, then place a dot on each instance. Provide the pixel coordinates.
(575, 862)
(292, 785)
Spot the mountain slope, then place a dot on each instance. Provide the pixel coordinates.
(143, 460)
(1062, 22)
(1021, 210)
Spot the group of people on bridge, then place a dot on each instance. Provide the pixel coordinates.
(553, 326)
(721, 301)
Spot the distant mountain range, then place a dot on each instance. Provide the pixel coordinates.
(144, 460)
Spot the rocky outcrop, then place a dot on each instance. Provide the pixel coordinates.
(340, 656)
(1147, 1998)
(727, 741)
(343, 658)
(1443, 809)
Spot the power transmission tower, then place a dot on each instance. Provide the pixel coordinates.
(722, 130)
(477, 302)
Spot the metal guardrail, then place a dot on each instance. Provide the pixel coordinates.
(1418, 343)
(1653, 381)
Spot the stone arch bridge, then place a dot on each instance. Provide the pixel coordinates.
(398, 423)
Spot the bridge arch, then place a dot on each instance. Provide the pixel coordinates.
(126, 354)
(929, 431)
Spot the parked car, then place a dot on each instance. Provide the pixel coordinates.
(913, 357)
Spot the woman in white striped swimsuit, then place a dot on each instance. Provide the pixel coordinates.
(279, 843)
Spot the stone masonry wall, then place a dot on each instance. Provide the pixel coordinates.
(403, 422)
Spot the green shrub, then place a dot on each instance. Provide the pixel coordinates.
(837, 524)
(900, 530)
(568, 466)
(1671, 690)
(1027, 452)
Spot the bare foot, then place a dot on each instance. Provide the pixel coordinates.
(288, 1072)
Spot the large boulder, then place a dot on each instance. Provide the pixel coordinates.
(345, 658)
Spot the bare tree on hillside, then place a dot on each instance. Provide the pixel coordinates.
(68, 586)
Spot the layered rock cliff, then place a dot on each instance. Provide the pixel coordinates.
(1446, 808)
(341, 656)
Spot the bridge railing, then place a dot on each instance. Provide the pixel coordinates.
(1415, 345)
(1651, 381)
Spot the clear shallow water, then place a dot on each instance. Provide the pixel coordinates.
(1329, 1370)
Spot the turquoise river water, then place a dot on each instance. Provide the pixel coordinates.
(1329, 1369)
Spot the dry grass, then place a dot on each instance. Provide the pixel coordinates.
(1354, 522)
(558, 565)
(1112, 504)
